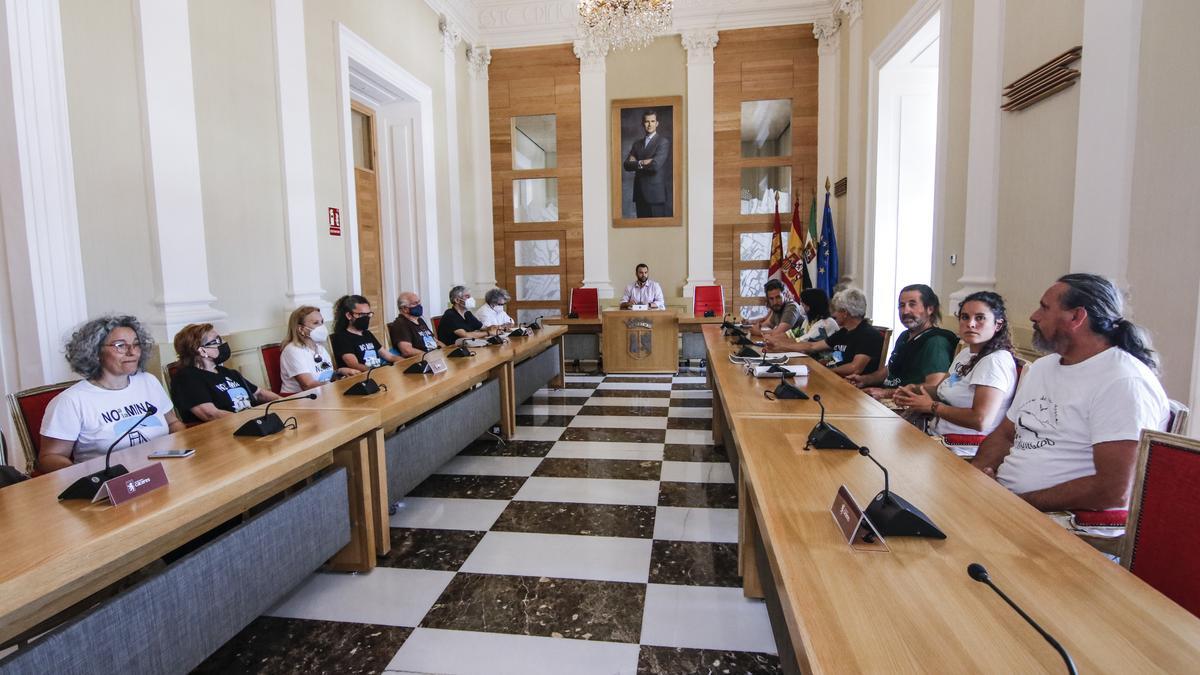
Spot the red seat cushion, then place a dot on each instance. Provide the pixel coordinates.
(585, 302)
(270, 356)
(1166, 547)
(709, 298)
(33, 409)
(1107, 518)
(963, 439)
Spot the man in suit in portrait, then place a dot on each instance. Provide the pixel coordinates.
(649, 159)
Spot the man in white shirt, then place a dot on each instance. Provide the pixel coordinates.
(643, 291)
(492, 313)
(1069, 441)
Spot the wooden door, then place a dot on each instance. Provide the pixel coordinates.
(366, 195)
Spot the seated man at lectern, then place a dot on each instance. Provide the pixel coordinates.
(782, 316)
(1070, 440)
(644, 291)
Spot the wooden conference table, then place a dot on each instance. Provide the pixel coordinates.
(914, 609)
(56, 554)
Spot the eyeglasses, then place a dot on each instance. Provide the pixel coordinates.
(358, 314)
(123, 347)
(215, 342)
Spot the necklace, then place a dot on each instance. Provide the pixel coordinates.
(104, 386)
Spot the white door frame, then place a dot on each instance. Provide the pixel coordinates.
(913, 21)
(404, 126)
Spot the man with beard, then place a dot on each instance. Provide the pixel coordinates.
(1070, 439)
(923, 352)
(784, 313)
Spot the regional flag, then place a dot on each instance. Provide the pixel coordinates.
(827, 253)
(775, 269)
(795, 271)
(810, 244)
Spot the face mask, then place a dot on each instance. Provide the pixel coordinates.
(223, 353)
(469, 303)
(319, 334)
(361, 323)
(416, 311)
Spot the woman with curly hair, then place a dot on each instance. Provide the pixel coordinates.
(974, 395)
(110, 352)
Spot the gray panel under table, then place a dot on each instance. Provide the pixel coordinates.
(424, 444)
(693, 346)
(581, 346)
(535, 372)
(175, 619)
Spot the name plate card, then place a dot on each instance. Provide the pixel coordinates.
(854, 524)
(133, 484)
(437, 363)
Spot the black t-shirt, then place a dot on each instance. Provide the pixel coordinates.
(416, 334)
(363, 347)
(226, 389)
(452, 321)
(865, 339)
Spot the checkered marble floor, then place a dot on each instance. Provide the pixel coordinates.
(602, 539)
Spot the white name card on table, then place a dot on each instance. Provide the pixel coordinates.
(773, 371)
(639, 308)
(437, 363)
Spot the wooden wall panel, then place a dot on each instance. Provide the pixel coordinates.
(537, 81)
(754, 64)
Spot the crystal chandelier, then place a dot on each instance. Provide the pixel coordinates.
(621, 24)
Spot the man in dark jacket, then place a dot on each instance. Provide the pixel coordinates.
(649, 159)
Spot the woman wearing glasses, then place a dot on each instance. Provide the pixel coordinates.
(116, 393)
(354, 345)
(304, 362)
(202, 388)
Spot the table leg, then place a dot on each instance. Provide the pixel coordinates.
(508, 403)
(377, 460)
(718, 418)
(359, 554)
(747, 536)
(559, 380)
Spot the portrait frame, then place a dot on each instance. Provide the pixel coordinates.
(626, 132)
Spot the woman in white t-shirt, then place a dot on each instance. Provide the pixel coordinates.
(304, 363)
(975, 394)
(113, 398)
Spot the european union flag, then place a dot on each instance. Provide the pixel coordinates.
(827, 253)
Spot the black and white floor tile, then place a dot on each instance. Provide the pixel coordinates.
(603, 539)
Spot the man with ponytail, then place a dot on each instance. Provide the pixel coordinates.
(1069, 441)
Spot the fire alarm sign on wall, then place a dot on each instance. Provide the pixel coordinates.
(335, 222)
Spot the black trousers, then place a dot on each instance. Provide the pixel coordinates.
(648, 210)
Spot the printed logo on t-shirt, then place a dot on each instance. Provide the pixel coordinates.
(238, 396)
(369, 357)
(430, 343)
(1039, 413)
(124, 419)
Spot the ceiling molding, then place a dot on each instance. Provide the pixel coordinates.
(463, 17)
(525, 23)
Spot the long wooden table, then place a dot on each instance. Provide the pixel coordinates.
(58, 553)
(914, 609)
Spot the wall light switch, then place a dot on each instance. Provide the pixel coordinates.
(953, 258)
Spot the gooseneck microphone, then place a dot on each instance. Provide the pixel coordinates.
(89, 485)
(979, 573)
(892, 515)
(825, 436)
(366, 387)
(420, 367)
(269, 423)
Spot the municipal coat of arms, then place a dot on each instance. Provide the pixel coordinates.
(639, 337)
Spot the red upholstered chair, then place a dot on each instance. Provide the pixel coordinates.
(270, 355)
(169, 372)
(585, 303)
(437, 321)
(28, 408)
(1162, 544)
(708, 298)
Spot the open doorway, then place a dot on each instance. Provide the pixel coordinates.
(906, 135)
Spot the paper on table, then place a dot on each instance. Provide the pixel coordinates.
(790, 355)
(764, 371)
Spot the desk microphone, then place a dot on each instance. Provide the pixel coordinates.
(892, 515)
(89, 485)
(366, 387)
(269, 423)
(825, 436)
(979, 573)
(460, 351)
(536, 324)
(421, 367)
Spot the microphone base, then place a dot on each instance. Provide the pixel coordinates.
(742, 341)
(89, 485)
(461, 352)
(261, 426)
(364, 388)
(419, 368)
(893, 516)
(825, 436)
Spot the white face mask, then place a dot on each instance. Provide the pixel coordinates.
(469, 302)
(319, 334)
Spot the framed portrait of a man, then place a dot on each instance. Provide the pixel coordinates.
(647, 134)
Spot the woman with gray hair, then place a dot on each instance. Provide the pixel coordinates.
(492, 313)
(110, 352)
(857, 346)
(458, 323)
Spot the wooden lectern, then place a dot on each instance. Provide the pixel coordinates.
(640, 341)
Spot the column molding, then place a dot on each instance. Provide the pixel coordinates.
(451, 39)
(699, 45)
(983, 153)
(829, 54)
(853, 217)
(300, 216)
(45, 294)
(1108, 100)
(172, 156)
(593, 114)
(478, 60)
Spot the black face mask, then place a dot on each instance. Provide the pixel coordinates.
(361, 323)
(223, 353)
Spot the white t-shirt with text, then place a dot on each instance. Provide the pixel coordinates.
(1060, 412)
(997, 370)
(94, 417)
(493, 316)
(298, 360)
